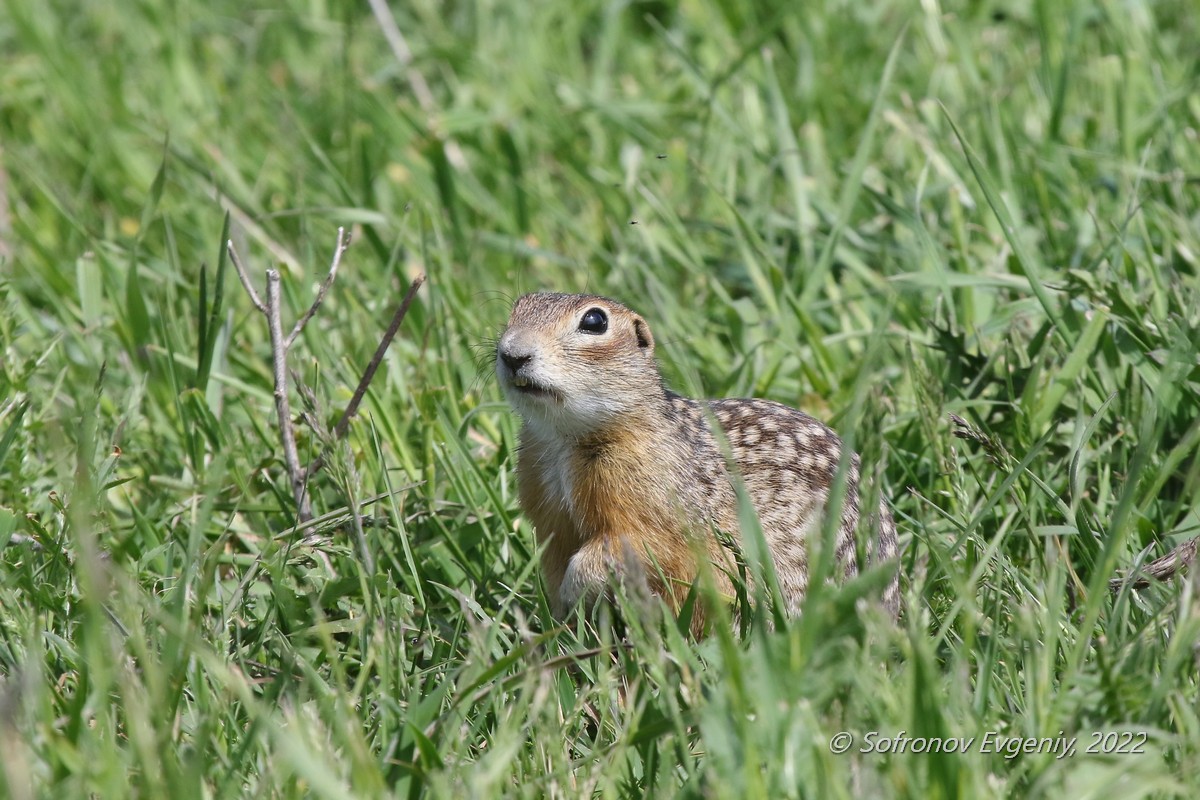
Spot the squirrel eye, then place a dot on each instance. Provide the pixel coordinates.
(594, 321)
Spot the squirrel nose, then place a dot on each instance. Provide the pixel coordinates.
(513, 361)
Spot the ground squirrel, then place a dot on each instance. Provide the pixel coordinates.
(613, 468)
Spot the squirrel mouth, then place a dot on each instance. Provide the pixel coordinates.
(525, 386)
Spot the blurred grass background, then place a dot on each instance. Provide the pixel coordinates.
(881, 213)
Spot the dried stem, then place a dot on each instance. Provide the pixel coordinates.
(343, 241)
(343, 423)
(403, 54)
(287, 434)
(245, 277)
(339, 430)
(280, 345)
(1160, 568)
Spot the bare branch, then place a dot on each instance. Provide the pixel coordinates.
(343, 242)
(241, 271)
(1160, 568)
(343, 423)
(280, 345)
(400, 49)
(339, 430)
(402, 52)
(283, 410)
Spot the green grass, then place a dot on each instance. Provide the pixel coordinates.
(882, 213)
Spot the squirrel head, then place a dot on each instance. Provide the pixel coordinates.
(576, 365)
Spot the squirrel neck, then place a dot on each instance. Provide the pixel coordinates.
(618, 479)
(650, 427)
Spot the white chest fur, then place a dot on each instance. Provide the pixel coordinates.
(555, 472)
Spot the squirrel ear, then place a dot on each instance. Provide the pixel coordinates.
(642, 331)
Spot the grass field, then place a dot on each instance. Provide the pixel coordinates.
(882, 213)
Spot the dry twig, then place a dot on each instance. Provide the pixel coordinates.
(245, 277)
(343, 423)
(404, 56)
(343, 241)
(1160, 569)
(287, 435)
(280, 345)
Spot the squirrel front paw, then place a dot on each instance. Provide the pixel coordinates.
(596, 567)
